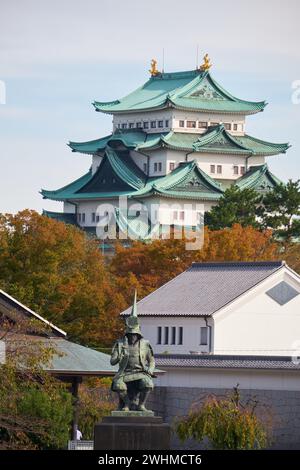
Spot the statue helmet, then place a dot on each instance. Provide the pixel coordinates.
(132, 322)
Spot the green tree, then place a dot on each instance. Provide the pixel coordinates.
(226, 422)
(35, 408)
(236, 206)
(282, 210)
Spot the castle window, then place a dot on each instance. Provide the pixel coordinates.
(191, 124)
(181, 123)
(167, 123)
(146, 125)
(180, 335)
(181, 215)
(97, 218)
(236, 170)
(157, 166)
(159, 335)
(173, 335)
(160, 123)
(145, 166)
(124, 125)
(79, 217)
(227, 126)
(219, 169)
(166, 338)
(171, 166)
(93, 216)
(131, 125)
(202, 124)
(212, 168)
(243, 170)
(235, 127)
(153, 124)
(138, 125)
(204, 336)
(175, 215)
(83, 217)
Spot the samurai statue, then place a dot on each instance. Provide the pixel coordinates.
(133, 381)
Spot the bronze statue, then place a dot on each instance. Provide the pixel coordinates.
(133, 381)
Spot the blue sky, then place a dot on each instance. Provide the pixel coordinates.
(56, 57)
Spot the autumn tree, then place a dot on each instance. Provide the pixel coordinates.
(57, 271)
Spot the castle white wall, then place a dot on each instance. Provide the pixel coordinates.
(69, 208)
(256, 324)
(250, 379)
(210, 118)
(191, 334)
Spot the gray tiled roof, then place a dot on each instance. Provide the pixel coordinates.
(204, 288)
(225, 362)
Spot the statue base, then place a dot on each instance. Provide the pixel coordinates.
(132, 413)
(132, 432)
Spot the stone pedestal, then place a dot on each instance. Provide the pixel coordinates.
(132, 433)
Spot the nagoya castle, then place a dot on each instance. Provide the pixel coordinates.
(177, 143)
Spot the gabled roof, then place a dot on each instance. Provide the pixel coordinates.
(259, 178)
(215, 140)
(9, 303)
(119, 175)
(205, 288)
(190, 90)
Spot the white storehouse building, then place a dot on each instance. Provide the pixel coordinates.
(217, 325)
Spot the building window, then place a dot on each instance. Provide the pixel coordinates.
(166, 339)
(79, 217)
(97, 218)
(160, 166)
(236, 170)
(181, 215)
(157, 166)
(204, 336)
(191, 124)
(119, 126)
(212, 168)
(181, 123)
(160, 123)
(243, 170)
(214, 123)
(202, 124)
(235, 127)
(138, 125)
(180, 335)
(219, 169)
(83, 217)
(167, 123)
(171, 166)
(173, 335)
(159, 334)
(124, 125)
(93, 217)
(146, 125)
(153, 124)
(175, 215)
(145, 167)
(131, 125)
(227, 126)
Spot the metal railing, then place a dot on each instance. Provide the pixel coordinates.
(80, 445)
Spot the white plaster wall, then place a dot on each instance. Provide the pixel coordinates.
(250, 379)
(126, 118)
(165, 208)
(191, 333)
(69, 208)
(256, 324)
(179, 115)
(95, 163)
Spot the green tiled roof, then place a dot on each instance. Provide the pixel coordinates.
(67, 218)
(186, 181)
(214, 140)
(191, 90)
(259, 178)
